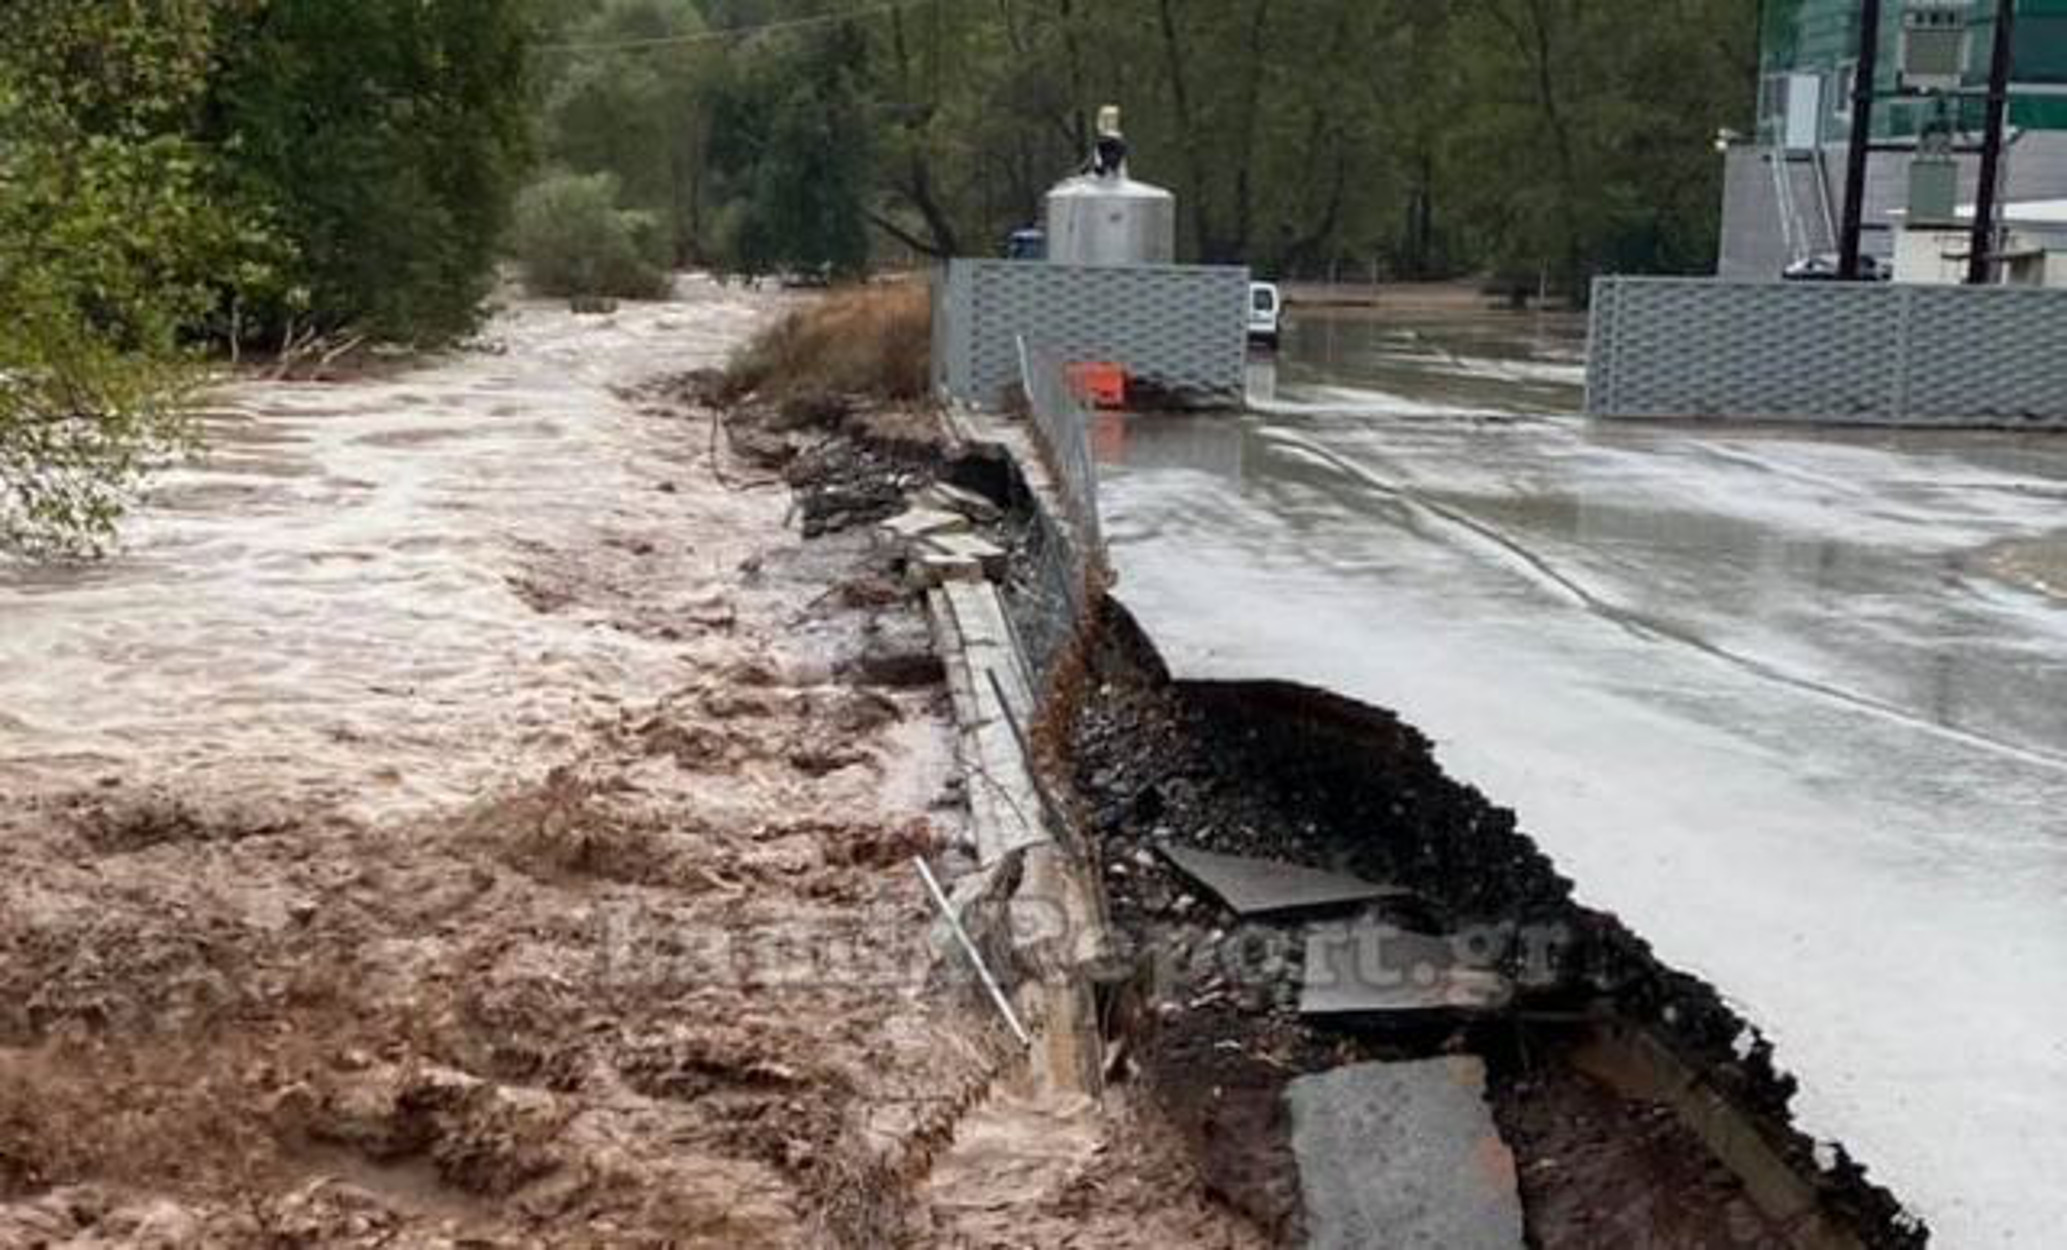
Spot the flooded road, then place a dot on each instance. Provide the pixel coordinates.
(1792, 704)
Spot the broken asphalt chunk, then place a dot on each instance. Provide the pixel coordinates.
(1258, 887)
(1375, 971)
(924, 523)
(1403, 1154)
(950, 498)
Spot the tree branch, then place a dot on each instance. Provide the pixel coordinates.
(904, 236)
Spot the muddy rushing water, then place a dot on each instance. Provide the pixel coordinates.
(1790, 703)
(354, 600)
(469, 812)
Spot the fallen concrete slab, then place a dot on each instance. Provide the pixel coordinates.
(947, 497)
(925, 522)
(986, 636)
(1004, 801)
(968, 547)
(930, 570)
(1260, 887)
(1374, 970)
(1403, 1154)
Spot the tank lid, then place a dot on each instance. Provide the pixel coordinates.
(1090, 186)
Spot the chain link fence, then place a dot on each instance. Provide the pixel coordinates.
(1062, 425)
(1064, 569)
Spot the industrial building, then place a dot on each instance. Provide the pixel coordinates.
(1784, 183)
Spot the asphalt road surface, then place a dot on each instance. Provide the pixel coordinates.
(1793, 703)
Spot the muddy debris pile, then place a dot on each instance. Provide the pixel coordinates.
(851, 459)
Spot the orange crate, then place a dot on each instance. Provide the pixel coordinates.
(1101, 384)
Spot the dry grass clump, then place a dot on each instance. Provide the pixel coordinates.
(873, 341)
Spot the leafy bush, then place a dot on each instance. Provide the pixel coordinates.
(572, 239)
(81, 423)
(875, 341)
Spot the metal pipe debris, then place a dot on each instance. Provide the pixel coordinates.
(997, 993)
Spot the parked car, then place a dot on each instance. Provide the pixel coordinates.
(1266, 313)
(1824, 267)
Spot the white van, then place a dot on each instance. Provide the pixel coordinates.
(1265, 313)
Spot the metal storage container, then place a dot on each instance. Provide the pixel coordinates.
(1111, 220)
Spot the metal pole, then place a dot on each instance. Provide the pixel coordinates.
(1863, 92)
(968, 945)
(1981, 246)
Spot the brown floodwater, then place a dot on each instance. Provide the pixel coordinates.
(378, 595)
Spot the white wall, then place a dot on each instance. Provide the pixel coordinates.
(1925, 256)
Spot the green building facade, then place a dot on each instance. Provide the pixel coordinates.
(1822, 37)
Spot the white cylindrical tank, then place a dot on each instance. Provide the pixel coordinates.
(1111, 219)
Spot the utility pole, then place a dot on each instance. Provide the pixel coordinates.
(1864, 81)
(1981, 246)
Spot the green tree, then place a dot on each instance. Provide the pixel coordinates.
(1602, 122)
(792, 139)
(621, 96)
(116, 241)
(390, 135)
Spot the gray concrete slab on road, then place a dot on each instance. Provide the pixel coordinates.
(1260, 887)
(1403, 1155)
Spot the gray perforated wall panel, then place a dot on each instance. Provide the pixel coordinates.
(1183, 328)
(1863, 354)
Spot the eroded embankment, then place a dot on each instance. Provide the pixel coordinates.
(542, 877)
(1640, 1109)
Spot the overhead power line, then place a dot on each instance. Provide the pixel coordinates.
(721, 36)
